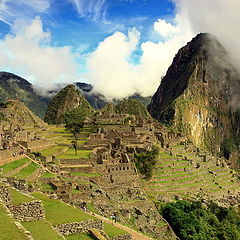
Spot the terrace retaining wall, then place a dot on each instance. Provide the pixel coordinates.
(79, 227)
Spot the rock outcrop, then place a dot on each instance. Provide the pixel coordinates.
(199, 96)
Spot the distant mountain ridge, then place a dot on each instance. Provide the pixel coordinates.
(15, 87)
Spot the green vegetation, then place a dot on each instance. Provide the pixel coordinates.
(132, 107)
(68, 99)
(45, 187)
(52, 150)
(48, 175)
(145, 162)
(41, 230)
(193, 221)
(85, 174)
(74, 123)
(70, 154)
(112, 231)
(58, 212)
(228, 146)
(27, 171)
(18, 198)
(8, 230)
(13, 165)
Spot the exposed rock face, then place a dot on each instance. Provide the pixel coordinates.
(65, 101)
(13, 86)
(199, 94)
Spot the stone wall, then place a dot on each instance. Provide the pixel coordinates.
(28, 211)
(82, 161)
(79, 227)
(5, 195)
(19, 184)
(122, 237)
(10, 155)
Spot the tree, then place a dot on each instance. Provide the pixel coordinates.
(145, 162)
(74, 123)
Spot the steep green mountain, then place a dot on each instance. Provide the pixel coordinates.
(67, 100)
(17, 113)
(133, 107)
(127, 106)
(13, 86)
(199, 97)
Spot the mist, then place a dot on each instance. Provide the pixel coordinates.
(114, 75)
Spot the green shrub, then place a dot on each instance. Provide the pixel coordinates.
(145, 162)
(193, 221)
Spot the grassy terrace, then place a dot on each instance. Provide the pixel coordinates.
(48, 175)
(8, 229)
(113, 231)
(70, 154)
(13, 165)
(18, 198)
(41, 230)
(27, 171)
(52, 150)
(169, 177)
(80, 174)
(58, 212)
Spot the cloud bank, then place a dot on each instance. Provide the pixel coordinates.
(28, 53)
(114, 75)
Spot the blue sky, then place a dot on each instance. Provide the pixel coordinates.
(120, 46)
(85, 26)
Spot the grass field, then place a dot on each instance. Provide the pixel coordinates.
(27, 171)
(18, 198)
(13, 165)
(58, 212)
(41, 230)
(52, 150)
(79, 174)
(113, 231)
(70, 154)
(8, 229)
(48, 175)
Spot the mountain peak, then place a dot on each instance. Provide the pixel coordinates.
(199, 93)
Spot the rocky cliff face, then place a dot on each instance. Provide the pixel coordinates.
(199, 95)
(68, 99)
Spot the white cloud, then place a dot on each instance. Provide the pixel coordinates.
(164, 28)
(219, 17)
(93, 9)
(29, 54)
(15, 9)
(113, 75)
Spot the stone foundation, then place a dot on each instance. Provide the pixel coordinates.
(79, 227)
(122, 237)
(28, 211)
(5, 195)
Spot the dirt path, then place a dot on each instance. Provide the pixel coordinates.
(135, 235)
